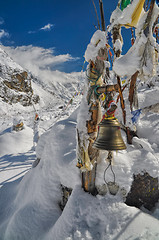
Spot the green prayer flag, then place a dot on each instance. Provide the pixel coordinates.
(124, 4)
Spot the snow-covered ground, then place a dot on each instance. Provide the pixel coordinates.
(30, 204)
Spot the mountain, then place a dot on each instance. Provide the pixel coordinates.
(15, 82)
(48, 89)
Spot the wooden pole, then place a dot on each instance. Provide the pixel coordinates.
(108, 88)
(88, 180)
(116, 32)
(148, 19)
(103, 29)
(132, 88)
(90, 155)
(102, 15)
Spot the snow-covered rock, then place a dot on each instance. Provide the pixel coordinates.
(15, 82)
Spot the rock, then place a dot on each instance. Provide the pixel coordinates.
(15, 82)
(66, 192)
(144, 192)
(18, 124)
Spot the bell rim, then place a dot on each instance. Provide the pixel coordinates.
(112, 148)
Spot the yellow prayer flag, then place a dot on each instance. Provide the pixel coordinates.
(136, 14)
(123, 81)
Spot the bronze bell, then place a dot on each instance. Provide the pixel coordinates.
(109, 135)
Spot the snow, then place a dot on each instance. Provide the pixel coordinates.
(17, 120)
(83, 117)
(124, 17)
(30, 205)
(7, 62)
(141, 56)
(100, 218)
(118, 45)
(16, 155)
(97, 42)
(31, 178)
(10, 141)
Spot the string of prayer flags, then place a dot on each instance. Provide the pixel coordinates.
(71, 100)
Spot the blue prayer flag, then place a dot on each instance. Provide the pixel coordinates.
(136, 115)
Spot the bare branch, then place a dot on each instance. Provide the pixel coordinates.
(96, 13)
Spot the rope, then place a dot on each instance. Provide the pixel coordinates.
(93, 80)
(111, 171)
(110, 158)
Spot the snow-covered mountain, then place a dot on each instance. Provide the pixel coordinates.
(15, 82)
(20, 85)
(22, 93)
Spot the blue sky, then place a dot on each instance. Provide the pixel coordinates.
(64, 26)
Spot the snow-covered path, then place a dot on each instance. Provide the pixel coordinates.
(16, 154)
(14, 166)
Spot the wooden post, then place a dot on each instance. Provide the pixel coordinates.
(116, 32)
(148, 19)
(88, 180)
(132, 90)
(92, 154)
(102, 15)
(89, 155)
(88, 158)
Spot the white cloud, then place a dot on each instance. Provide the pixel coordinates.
(41, 57)
(39, 61)
(3, 33)
(47, 27)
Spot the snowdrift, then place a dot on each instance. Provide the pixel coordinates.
(30, 206)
